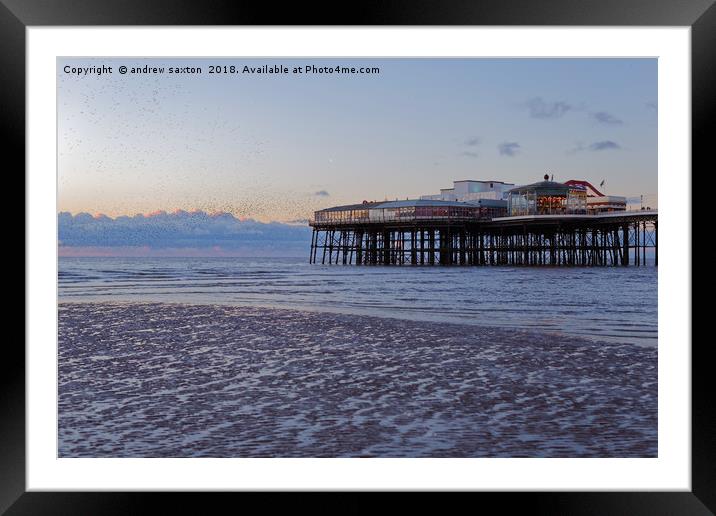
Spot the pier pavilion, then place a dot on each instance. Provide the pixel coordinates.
(547, 198)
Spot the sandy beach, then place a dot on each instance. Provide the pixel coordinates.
(173, 380)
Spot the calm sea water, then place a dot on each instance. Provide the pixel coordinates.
(610, 304)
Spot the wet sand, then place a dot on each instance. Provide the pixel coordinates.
(172, 380)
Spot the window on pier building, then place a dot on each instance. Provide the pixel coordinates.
(407, 212)
(360, 215)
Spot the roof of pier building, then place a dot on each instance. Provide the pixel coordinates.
(546, 188)
(365, 205)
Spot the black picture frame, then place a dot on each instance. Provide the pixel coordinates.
(17, 15)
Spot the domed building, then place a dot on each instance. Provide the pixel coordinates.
(547, 198)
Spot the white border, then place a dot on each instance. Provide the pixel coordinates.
(671, 470)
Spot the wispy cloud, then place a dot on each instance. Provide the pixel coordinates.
(606, 118)
(604, 145)
(508, 148)
(321, 193)
(538, 108)
(595, 147)
(471, 144)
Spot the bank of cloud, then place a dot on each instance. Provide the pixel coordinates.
(179, 233)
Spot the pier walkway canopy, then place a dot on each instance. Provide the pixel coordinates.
(411, 210)
(547, 198)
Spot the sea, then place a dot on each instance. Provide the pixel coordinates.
(612, 304)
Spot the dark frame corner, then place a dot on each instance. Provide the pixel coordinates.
(17, 15)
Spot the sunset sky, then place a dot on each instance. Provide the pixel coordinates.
(277, 147)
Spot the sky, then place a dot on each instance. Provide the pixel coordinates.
(276, 147)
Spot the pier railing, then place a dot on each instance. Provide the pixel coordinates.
(386, 218)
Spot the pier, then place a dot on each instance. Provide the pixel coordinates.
(457, 235)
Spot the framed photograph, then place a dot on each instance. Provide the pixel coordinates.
(421, 252)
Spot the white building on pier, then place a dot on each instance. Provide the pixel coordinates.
(472, 190)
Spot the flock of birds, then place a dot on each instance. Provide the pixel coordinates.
(147, 142)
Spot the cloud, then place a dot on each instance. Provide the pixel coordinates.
(604, 145)
(652, 105)
(178, 230)
(321, 193)
(595, 147)
(538, 108)
(605, 118)
(508, 148)
(472, 143)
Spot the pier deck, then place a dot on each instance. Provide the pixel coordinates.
(608, 239)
